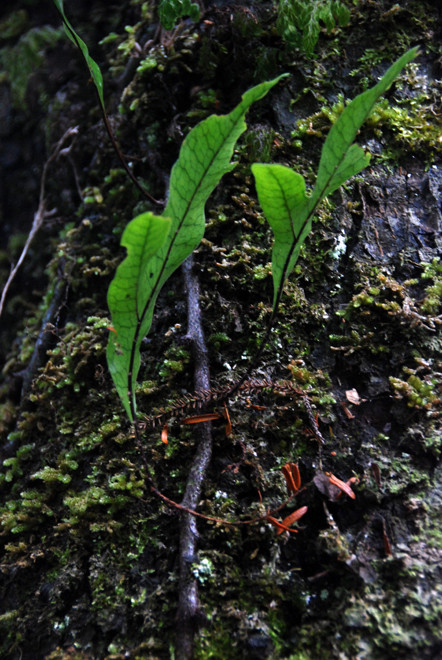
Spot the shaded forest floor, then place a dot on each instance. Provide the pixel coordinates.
(89, 564)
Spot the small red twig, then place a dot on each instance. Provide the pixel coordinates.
(292, 477)
(342, 485)
(268, 516)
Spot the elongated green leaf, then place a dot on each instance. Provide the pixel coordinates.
(353, 162)
(94, 69)
(143, 237)
(204, 158)
(281, 191)
(335, 156)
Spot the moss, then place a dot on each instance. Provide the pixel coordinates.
(26, 56)
(175, 362)
(412, 127)
(399, 473)
(49, 474)
(258, 622)
(419, 393)
(432, 301)
(405, 122)
(71, 361)
(381, 298)
(100, 548)
(390, 632)
(218, 339)
(15, 463)
(259, 144)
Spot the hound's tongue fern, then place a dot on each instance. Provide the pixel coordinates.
(158, 245)
(281, 191)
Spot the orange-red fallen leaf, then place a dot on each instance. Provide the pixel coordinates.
(387, 545)
(292, 518)
(292, 477)
(281, 528)
(289, 478)
(348, 414)
(345, 488)
(296, 474)
(198, 419)
(164, 434)
(228, 422)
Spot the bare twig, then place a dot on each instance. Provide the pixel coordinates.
(41, 212)
(123, 161)
(189, 614)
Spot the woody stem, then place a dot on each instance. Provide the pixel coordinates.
(189, 612)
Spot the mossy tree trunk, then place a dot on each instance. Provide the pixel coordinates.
(90, 562)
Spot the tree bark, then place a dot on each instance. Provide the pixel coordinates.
(93, 565)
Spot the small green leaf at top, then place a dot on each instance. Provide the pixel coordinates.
(93, 67)
(281, 191)
(339, 159)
